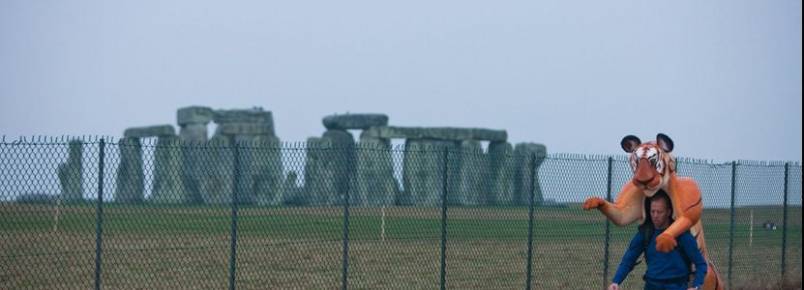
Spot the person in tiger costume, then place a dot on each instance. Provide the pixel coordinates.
(666, 271)
(654, 169)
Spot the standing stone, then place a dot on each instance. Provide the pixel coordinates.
(247, 170)
(130, 177)
(423, 175)
(194, 133)
(501, 187)
(319, 173)
(374, 181)
(193, 123)
(293, 194)
(334, 158)
(195, 167)
(343, 158)
(528, 156)
(168, 186)
(261, 169)
(70, 173)
(469, 186)
(218, 168)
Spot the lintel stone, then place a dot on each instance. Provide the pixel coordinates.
(438, 133)
(150, 131)
(245, 129)
(255, 115)
(194, 115)
(354, 121)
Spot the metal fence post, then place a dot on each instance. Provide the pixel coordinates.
(784, 221)
(608, 228)
(345, 271)
(99, 216)
(731, 227)
(444, 220)
(235, 201)
(531, 201)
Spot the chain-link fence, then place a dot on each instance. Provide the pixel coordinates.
(159, 213)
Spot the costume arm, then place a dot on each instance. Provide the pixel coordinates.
(629, 258)
(625, 210)
(688, 205)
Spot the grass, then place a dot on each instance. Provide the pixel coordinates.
(147, 246)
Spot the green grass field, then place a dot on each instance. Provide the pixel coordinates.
(147, 247)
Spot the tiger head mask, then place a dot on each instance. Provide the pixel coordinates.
(651, 162)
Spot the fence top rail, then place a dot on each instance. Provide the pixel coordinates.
(53, 140)
(274, 143)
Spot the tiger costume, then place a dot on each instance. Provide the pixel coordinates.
(655, 169)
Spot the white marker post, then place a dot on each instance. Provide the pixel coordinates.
(56, 215)
(751, 229)
(382, 225)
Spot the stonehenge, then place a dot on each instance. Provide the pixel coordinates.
(353, 157)
(435, 159)
(189, 168)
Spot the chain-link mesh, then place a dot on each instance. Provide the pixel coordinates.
(395, 223)
(620, 237)
(47, 227)
(792, 258)
(254, 213)
(714, 180)
(289, 237)
(486, 229)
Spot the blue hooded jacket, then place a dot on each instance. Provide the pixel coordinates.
(664, 266)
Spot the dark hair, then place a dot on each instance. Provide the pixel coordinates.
(661, 194)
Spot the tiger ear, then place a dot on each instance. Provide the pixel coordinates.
(630, 143)
(664, 142)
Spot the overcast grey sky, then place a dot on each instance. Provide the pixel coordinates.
(722, 78)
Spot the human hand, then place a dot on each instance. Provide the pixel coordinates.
(614, 286)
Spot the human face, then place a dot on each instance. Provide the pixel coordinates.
(660, 213)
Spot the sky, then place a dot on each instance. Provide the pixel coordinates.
(722, 78)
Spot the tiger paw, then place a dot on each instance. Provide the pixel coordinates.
(593, 202)
(665, 243)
